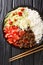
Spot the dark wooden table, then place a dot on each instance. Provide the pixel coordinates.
(6, 50)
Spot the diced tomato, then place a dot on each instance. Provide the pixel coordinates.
(22, 9)
(10, 36)
(16, 32)
(6, 29)
(21, 33)
(15, 27)
(15, 37)
(10, 28)
(20, 13)
(10, 40)
(12, 31)
(14, 40)
(6, 35)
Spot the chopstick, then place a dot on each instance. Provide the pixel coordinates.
(26, 53)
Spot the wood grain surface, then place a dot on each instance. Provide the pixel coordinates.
(6, 50)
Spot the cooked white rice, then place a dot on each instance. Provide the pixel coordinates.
(36, 24)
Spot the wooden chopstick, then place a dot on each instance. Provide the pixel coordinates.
(26, 53)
